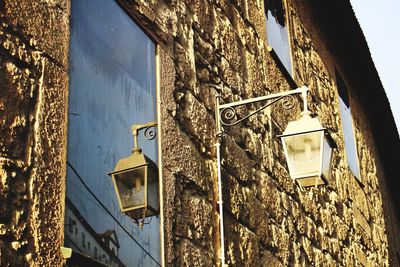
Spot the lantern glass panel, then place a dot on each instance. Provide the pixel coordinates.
(326, 159)
(152, 185)
(131, 187)
(303, 154)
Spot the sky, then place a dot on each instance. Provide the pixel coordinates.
(380, 21)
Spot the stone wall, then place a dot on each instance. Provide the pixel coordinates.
(374, 223)
(34, 37)
(221, 48)
(207, 48)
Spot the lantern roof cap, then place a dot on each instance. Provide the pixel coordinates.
(133, 161)
(305, 124)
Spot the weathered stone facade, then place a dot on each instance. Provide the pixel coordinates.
(206, 48)
(34, 86)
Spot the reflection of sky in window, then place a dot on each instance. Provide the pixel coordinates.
(112, 86)
(105, 23)
(278, 39)
(349, 138)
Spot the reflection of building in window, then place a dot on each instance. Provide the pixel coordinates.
(101, 247)
(83, 240)
(277, 31)
(348, 128)
(110, 239)
(70, 225)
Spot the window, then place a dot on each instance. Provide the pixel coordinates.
(348, 128)
(112, 85)
(83, 240)
(71, 224)
(277, 31)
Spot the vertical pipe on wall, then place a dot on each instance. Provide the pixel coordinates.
(160, 188)
(221, 211)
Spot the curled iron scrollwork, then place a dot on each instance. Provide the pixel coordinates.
(150, 132)
(228, 115)
(288, 102)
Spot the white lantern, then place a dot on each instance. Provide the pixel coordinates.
(308, 151)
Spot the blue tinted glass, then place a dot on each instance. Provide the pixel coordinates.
(278, 39)
(349, 139)
(112, 86)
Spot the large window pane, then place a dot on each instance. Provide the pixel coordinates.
(349, 138)
(347, 127)
(277, 31)
(112, 86)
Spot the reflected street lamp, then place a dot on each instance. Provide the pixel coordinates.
(135, 179)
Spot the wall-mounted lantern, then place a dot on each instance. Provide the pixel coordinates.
(307, 145)
(135, 180)
(308, 151)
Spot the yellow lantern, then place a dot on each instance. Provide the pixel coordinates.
(136, 181)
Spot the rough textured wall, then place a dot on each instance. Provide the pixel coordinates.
(364, 225)
(34, 37)
(220, 47)
(210, 48)
(375, 225)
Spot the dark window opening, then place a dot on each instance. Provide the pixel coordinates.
(277, 9)
(342, 90)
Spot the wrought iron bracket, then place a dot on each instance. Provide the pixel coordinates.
(149, 132)
(225, 114)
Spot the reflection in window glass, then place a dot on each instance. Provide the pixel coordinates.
(349, 139)
(348, 130)
(112, 86)
(277, 31)
(83, 240)
(70, 225)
